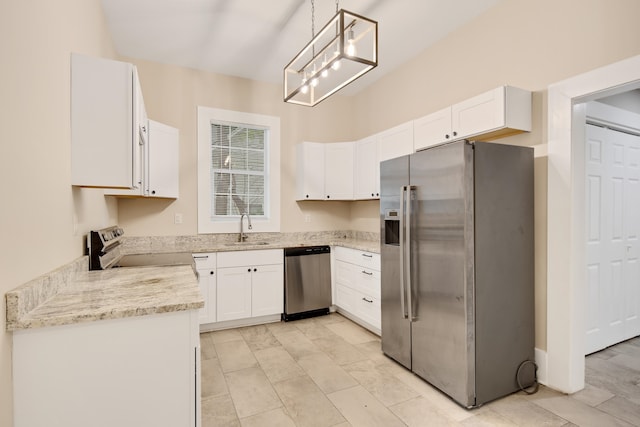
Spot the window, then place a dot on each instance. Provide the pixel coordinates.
(238, 170)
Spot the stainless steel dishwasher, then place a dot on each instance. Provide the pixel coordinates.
(307, 282)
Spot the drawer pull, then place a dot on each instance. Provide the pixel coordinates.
(368, 255)
(201, 256)
(367, 300)
(367, 273)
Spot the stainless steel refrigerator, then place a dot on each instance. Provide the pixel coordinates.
(457, 273)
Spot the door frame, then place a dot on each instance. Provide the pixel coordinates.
(564, 364)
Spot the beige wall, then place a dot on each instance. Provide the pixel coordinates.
(523, 43)
(172, 95)
(42, 218)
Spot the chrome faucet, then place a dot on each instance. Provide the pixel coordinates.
(243, 237)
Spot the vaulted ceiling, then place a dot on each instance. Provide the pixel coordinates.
(255, 39)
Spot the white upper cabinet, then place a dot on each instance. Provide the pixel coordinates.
(108, 123)
(395, 142)
(367, 169)
(433, 129)
(325, 171)
(162, 161)
(159, 164)
(500, 112)
(310, 171)
(338, 166)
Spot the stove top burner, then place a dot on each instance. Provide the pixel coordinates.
(105, 252)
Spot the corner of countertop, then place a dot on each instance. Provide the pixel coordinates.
(23, 299)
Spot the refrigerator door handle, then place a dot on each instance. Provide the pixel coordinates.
(409, 191)
(403, 191)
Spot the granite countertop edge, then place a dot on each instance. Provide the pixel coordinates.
(115, 294)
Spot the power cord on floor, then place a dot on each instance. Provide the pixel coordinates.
(532, 389)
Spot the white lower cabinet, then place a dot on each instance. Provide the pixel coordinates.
(234, 293)
(133, 371)
(357, 285)
(206, 268)
(241, 286)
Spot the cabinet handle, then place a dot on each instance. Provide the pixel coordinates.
(211, 272)
(367, 273)
(367, 300)
(328, 196)
(377, 194)
(371, 194)
(153, 192)
(455, 133)
(201, 256)
(255, 269)
(367, 255)
(446, 136)
(307, 196)
(249, 270)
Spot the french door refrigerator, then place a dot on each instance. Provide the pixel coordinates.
(457, 267)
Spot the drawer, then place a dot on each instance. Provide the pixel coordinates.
(204, 260)
(346, 298)
(362, 258)
(250, 258)
(368, 309)
(346, 274)
(368, 281)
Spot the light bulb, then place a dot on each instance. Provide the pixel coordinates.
(336, 65)
(314, 82)
(325, 71)
(351, 48)
(305, 88)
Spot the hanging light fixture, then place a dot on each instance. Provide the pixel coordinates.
(345, 49)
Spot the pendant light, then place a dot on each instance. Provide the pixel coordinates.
(345, 49)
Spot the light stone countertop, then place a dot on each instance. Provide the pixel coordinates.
(114, 294)
(71, 294)
(359, 244)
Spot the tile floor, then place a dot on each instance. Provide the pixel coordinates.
(328, 371)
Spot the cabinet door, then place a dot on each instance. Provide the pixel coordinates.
(479, 114)
(396, 142)
(207, 283)
(102, 123)
(433, 129)
(233, 293)
(267, 290)
(162, 161)
(310, 171)
(338, 176)
(367, 169)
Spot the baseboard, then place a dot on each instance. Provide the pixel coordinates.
(251, 321)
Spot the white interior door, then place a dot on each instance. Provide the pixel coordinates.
(613, 225)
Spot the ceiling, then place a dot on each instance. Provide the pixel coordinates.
(255, 39)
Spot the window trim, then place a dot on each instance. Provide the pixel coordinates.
(271, 221)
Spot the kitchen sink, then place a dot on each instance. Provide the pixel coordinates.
(246, 244)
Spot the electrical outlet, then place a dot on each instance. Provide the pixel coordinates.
(177, 218)
(307, 218)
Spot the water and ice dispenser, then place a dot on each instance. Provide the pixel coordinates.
(392, 227)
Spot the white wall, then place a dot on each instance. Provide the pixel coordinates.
(42, 219)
